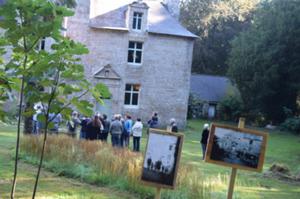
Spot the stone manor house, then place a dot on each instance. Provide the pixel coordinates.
(140, 51)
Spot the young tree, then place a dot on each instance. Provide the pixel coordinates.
(265, 61)
(4, 81)
(54, 78)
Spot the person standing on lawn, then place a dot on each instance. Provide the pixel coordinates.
(173, 126)
(106, 125)
(84, 127)
(204, 139)
(116, 129)
(93, 128)
(127, 131)
(137, 131)
(72, 124)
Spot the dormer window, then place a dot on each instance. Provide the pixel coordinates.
(137, 21)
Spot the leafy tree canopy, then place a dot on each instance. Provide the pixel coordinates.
(265, 60)
(216, 22)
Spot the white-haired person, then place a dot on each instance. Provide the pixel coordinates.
(73, 124)
(173, 125)
(137, 131)
(204, 139)
(116, 129)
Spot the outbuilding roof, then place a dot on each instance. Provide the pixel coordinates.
(112, 15)
(209, 88)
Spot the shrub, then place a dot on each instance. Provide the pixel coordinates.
(99, 163)
(195, 107)
(230, 108)
(291, 124)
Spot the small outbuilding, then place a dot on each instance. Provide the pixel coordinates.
(206, 91)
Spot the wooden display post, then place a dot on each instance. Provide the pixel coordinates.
(241, 125)
(158, 193)
(163, 150)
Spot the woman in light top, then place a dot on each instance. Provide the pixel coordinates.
(137, 131)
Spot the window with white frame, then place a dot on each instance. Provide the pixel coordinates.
(132, 94)
(137, 21)
(135, 52)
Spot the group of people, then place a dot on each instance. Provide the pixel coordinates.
(99, 127)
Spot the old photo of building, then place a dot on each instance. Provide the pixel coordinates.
(161, 158)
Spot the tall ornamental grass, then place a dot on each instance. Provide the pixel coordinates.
(99, 163)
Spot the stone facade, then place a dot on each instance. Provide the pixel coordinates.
(163, 75)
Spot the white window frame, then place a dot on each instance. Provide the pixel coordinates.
(138, 17)
(131, 92)
(135, 49)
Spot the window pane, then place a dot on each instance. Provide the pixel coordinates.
(128, 87)
(131, 44)
(139, 45)
(130, 56)
(139, 24)
(134, 23)
(127, 99)
(135, 14)
(135, 97)
(138, 58)
(136, 87)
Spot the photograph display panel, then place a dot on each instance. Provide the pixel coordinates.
(237, 148)
(162, 158)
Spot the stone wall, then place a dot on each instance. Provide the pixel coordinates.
(164, 75)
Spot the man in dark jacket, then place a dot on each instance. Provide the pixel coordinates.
(205, 134)
(106, 125)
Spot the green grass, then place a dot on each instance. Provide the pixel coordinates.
(282, 148)
(51, 186)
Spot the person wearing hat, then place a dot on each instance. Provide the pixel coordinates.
(205, 134)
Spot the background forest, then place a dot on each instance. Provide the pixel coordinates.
(257, 45)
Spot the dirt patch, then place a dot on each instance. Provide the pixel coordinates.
(283, 173)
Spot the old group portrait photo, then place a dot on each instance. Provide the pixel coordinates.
(161, 158)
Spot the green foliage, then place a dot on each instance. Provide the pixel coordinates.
(51, 77)
(231, 107)
(265, 61)
(216, 23)
(195, 107)
(54, 78)
(291, 124)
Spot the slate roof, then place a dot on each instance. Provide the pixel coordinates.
(112, 15)
(209, 88)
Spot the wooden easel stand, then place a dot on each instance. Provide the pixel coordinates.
(234, 170)
(158, 193)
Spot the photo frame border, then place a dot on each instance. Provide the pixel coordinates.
(163, 132)
(241, 130)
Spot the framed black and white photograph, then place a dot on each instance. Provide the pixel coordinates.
(236, 147)
(162, 158)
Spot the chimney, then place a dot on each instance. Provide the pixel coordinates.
(173, 7)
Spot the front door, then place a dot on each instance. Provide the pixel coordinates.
(211, 111)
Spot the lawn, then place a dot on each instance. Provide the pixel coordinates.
(282, 148)
(51, 186)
